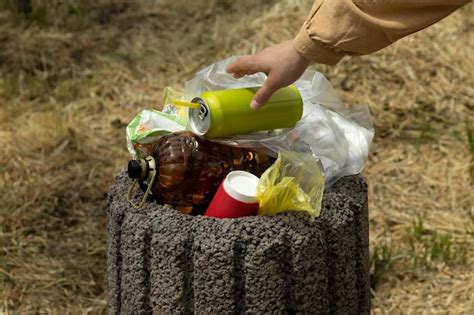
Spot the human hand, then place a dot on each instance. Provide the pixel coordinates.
(282, 64)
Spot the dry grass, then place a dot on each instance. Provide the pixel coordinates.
(72, 75)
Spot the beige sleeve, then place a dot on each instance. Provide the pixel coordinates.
(335, 28)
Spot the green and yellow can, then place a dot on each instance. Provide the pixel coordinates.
(225, 113)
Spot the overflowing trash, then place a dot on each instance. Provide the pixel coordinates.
(185, 170)
(206, 152)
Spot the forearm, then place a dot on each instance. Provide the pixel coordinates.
(336, 28)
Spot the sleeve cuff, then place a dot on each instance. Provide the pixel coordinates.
(315, 51)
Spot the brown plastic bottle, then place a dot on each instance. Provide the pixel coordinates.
(189, 169)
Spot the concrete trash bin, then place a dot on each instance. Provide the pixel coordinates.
(163, 262)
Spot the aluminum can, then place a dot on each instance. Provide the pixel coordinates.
(225, 113)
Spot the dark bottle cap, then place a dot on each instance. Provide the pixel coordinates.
(135, 169)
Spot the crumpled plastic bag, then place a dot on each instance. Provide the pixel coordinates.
(293, 182)
(338, 135)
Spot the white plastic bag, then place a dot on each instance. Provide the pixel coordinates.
(339, 136)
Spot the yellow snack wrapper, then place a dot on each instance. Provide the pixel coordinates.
(169, 95)
(294, 182)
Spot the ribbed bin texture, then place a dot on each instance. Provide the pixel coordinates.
(163, 262)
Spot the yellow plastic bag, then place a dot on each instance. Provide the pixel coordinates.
(293, 182)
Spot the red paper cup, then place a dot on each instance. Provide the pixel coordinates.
(236, 197)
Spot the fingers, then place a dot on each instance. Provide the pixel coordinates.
(249, 65)
(245, 66)
(265, 92)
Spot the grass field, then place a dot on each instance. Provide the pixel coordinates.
(73, 73)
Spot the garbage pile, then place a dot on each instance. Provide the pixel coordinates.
(208, 153)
